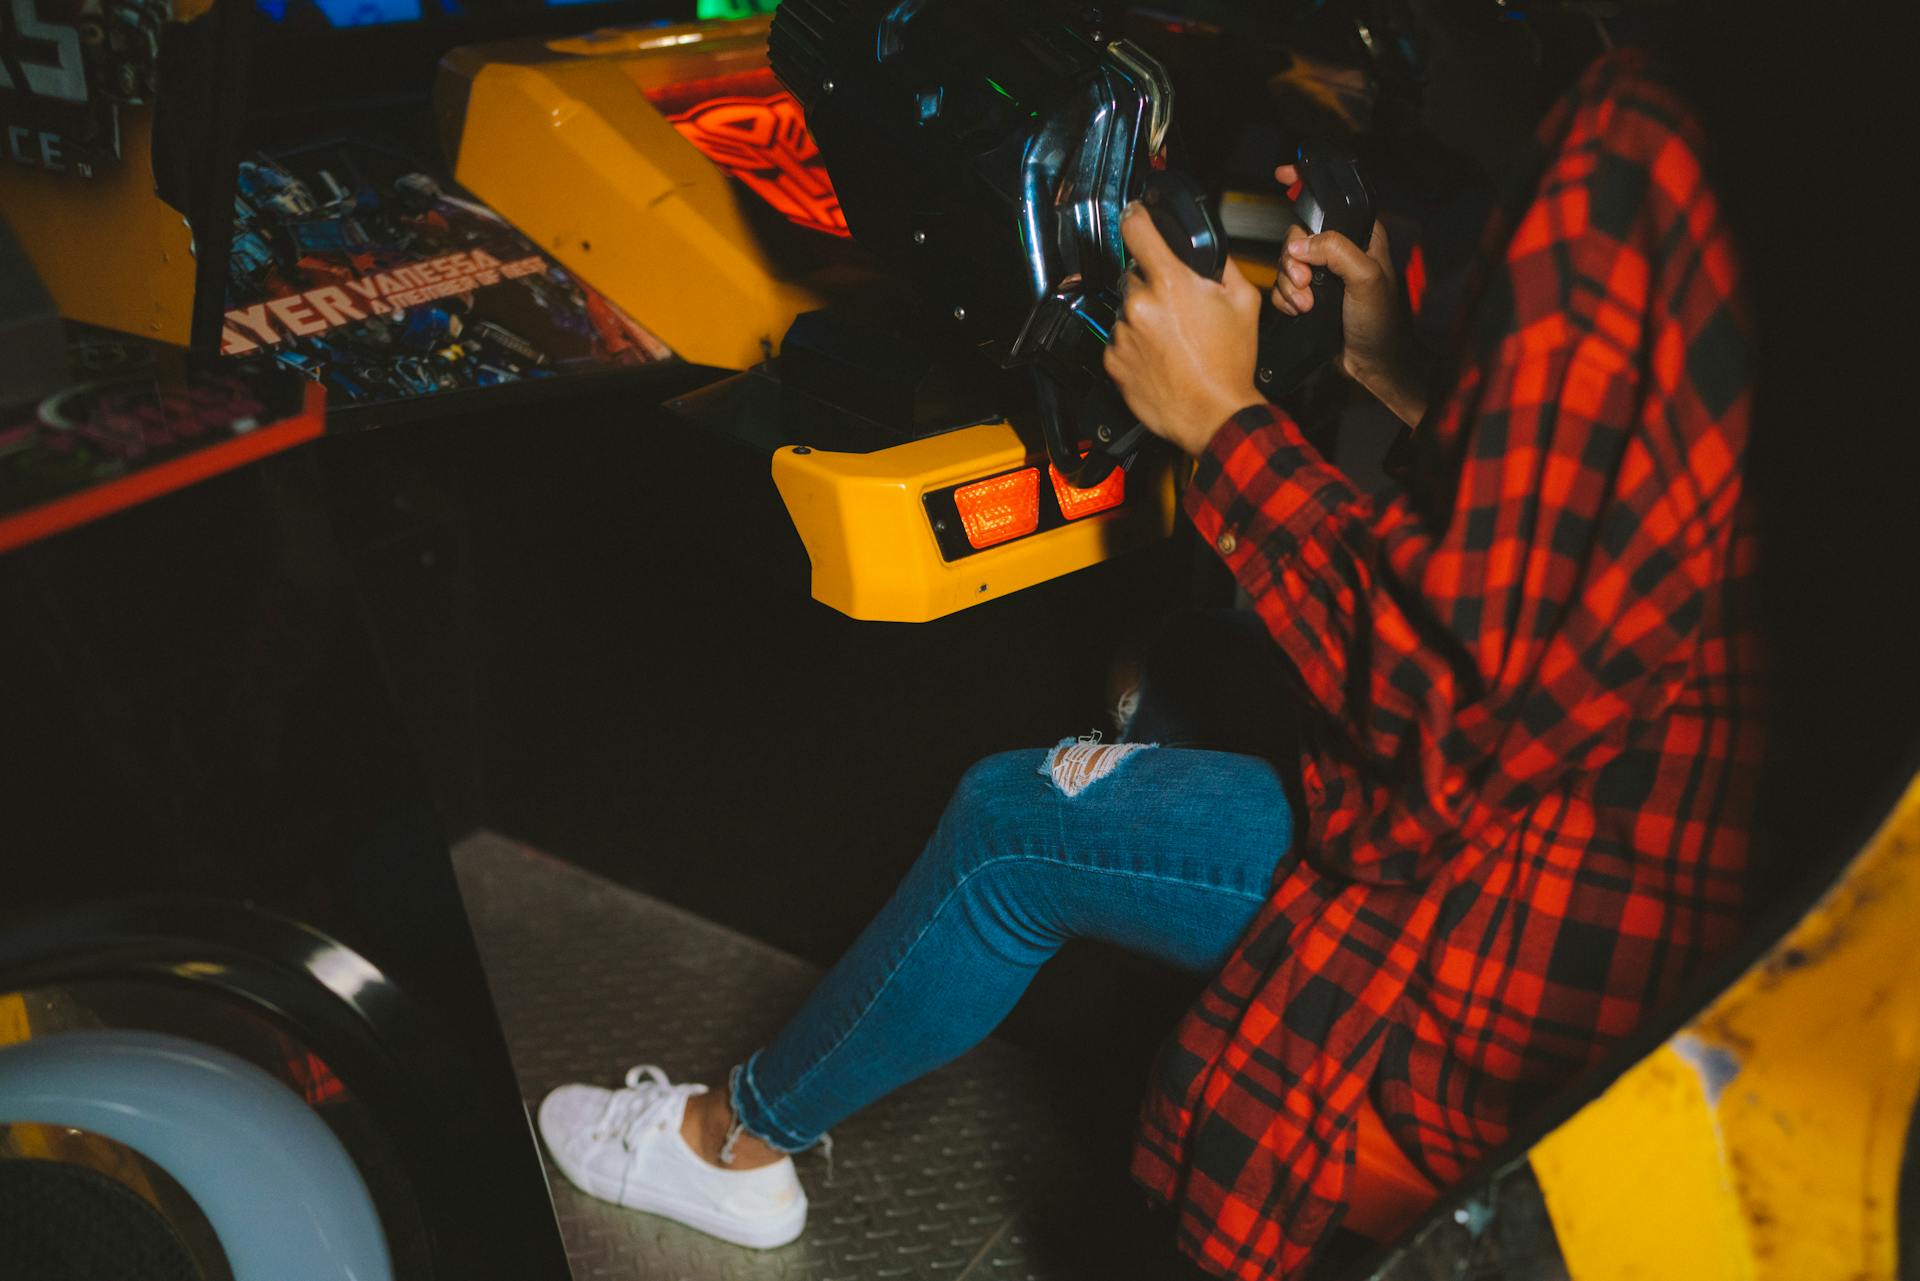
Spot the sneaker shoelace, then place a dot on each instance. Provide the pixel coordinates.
(647, 1102)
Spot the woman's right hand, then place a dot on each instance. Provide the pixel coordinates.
(1377, 349)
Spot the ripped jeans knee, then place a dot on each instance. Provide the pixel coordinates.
(1076, 764)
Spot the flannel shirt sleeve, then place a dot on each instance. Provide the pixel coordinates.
(1558, 606)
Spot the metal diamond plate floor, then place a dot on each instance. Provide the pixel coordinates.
(964, 1174)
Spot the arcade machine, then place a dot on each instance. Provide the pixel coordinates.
(429, 366)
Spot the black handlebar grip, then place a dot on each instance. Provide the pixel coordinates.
(1333, 197)
(1185, 220)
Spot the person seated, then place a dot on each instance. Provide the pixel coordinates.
(1531, 725)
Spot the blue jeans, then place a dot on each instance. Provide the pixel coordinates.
(1170, 855)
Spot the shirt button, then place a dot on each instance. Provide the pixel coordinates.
(1227, 543)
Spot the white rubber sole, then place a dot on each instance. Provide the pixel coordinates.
(757, 1236)
(766, 1234)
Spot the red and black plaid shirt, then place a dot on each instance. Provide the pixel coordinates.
(1529, 798)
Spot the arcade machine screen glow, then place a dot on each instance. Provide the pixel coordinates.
(341, 14)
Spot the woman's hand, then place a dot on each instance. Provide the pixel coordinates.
(1184, 351)
(1378, 350)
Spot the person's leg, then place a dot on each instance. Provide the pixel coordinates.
(1213, 679)
(1171, 854)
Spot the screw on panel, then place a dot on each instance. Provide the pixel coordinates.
(959, 313)
(919, 237)
(1104, 432)
(803, 449)
(826, 86)
(1266, 375)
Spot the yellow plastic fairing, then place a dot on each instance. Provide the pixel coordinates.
(864, 523)
(561, 139)
(109, 250)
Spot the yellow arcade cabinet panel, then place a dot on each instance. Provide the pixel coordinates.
(77, 183)
(569, 141)
(669, 169)
(929, 528)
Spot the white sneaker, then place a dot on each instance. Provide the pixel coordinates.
(624, 1146)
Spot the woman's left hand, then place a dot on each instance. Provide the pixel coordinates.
(1184, 352)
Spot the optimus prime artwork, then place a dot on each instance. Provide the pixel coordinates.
(354, 267)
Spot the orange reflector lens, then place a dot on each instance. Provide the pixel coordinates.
(1075, 503)
(992, 511)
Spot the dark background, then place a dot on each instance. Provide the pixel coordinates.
(603, 651)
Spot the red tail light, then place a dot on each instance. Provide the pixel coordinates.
(992, 511)
(1075, 503)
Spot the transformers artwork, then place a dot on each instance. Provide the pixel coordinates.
(758, 134)
(359, 270)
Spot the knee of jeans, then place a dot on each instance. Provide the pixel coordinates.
(996, 788)
(992, 811)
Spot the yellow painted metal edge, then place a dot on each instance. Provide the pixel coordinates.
(1636, 1182)
(865, 527)
(1765, 1140)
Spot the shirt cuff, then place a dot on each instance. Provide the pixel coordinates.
(1260, 491)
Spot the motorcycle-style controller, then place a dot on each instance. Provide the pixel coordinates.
(986, 149)
(1333, 196)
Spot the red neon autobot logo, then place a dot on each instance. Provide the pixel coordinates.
(763, 141)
